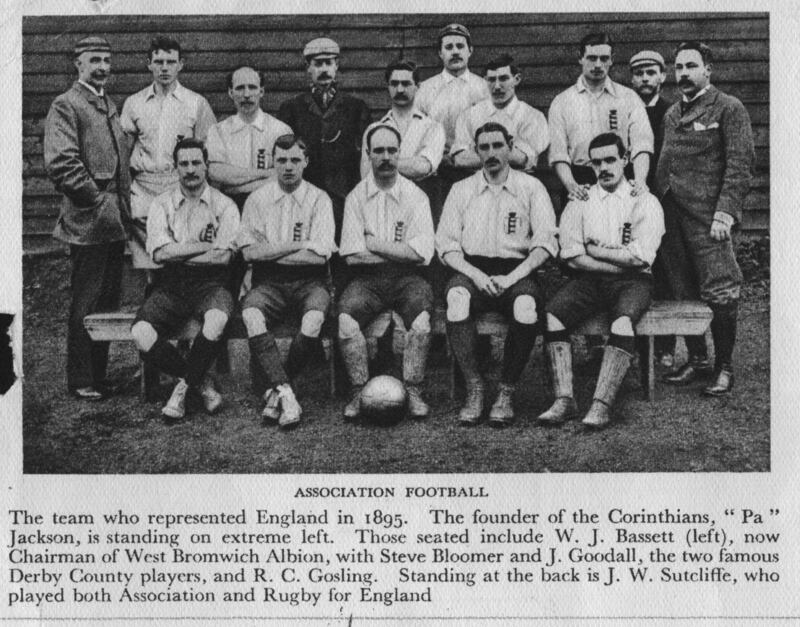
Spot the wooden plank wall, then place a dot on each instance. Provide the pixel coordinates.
(544, 45)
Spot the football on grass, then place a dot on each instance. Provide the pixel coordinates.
(383, 400)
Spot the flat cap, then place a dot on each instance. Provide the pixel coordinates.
(92, 44)
(321, 46)
(455, 29)
(646, 57)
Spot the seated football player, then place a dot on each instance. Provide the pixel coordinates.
(287, 234)
(610, 240)
(191, 231)
(497, 227)
(387, 238)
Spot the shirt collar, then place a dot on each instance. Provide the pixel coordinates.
(448, 78)
(653, 101)
(238, 124)
(99, 94)
(510, 108)
(509, 185)
(608, 86)
(178, 197)
(622, 192)
(299, 194)
(697, 95)
(178, 93)
(390, 119)
(373, 189)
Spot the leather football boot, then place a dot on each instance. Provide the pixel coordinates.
(721, 385)
(691, 371)
(472, 410)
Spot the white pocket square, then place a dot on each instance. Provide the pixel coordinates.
(702, 127)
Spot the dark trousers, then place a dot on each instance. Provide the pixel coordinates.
(96, 285)
(698, 267)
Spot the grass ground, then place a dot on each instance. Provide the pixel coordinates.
(680, 431)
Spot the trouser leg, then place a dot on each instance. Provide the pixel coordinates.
(91, 289)
(723, 332)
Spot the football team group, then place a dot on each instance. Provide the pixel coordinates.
(321, 213)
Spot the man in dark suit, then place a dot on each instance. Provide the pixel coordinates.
(86, 157)
(647, 76)
(703, 177)
(332, 124)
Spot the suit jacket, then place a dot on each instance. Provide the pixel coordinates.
(86, 157)
(707, 156)
(333, 138)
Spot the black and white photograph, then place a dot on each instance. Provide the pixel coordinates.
(399, 313)
(396, 243)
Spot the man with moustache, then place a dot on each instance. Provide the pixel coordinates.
(595, 105)
(240, 147)
(86, 157)
(155, 118)
(422, 137)
(287, 234)
(332, 124)
(445, 96)
(610, 240)
(703, 177)
(647, 76)
(387, 238)
(191, 231)
(497, 227)
(527, 125)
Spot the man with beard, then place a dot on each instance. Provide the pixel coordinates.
(156, 118)
(191, 231)
(647, 76)
(703, 177)
(287, 234)
(595, 105)
(387, 237)
(240, 147)
(422, 137)
(497, 227)
(332, 124)
(86, 157)
(610, 240)
(527, 125)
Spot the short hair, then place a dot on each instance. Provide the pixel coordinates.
(703, 49)
(502, 61)
(378, 127)
(285, 142)
(596, 39)
(162, 42)
(493, 127)
(261, 76)
(608, 139)
(404, 65)
(187, 143)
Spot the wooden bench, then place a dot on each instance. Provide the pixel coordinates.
(663, 318)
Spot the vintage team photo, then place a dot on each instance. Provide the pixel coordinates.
(396, 243)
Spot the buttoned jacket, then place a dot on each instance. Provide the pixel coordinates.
(707, 156)
(333, 138)
(86, 157)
